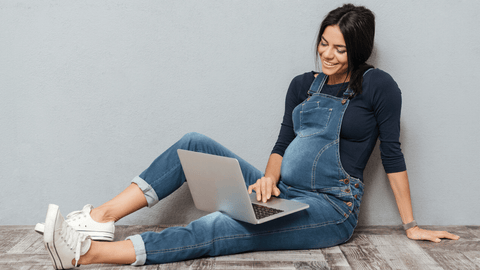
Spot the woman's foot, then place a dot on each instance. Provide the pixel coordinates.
(83, 222)
(64, 244)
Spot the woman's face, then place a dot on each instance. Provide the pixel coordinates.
(333, 54)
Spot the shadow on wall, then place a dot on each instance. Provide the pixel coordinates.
(176, 209)
(375, 181)
(378, 203)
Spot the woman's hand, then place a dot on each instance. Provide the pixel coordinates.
(264, 187)
(417, 233)
(401, 190)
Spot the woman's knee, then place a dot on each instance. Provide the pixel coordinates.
(196, 141)
(193, 138)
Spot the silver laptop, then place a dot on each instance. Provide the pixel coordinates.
(217, 184)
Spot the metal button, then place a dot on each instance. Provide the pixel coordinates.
(349, 203)
(355, 196)
(346, 181)
(347, 190)
(357, 185)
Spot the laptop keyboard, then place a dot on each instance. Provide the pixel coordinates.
(263, 211)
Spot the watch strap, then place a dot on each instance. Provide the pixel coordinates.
(409, 225)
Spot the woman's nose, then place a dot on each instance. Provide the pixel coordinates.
(328, 53)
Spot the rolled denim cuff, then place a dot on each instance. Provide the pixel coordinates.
(148, 191)
(139, 246)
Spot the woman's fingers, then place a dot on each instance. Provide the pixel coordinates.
(258, 190)
(276, 191)
(255, 187)
(445, 234)
(264, 188)
(268, 194)
(435, 236)
(250, 188)
(431, 237)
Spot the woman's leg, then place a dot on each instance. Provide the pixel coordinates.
(319, 226)
(121, 252)
(327, 222)
(127, 202)
(164, 176)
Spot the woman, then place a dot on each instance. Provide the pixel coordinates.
(331, 123)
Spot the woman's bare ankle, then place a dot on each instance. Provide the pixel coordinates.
(121, 252)
(89, 257)
(125, 203)
(100, 215)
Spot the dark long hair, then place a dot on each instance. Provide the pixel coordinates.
(357, 24)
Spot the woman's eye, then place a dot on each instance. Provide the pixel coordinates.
(323, 44)
(341, 52)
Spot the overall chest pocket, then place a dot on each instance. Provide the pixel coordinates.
(312, 118)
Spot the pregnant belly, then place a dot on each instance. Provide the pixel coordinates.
(310, 164)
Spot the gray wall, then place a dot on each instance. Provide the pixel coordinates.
(92, 91)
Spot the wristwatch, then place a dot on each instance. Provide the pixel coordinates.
(410, 225)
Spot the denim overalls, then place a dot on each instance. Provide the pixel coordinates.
(311, 173)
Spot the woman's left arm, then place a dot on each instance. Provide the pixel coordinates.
(401, 190)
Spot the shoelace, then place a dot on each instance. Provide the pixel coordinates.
(73, 239)
(79, 213)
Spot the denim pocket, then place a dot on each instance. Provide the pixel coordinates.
(344, 208)
(314, 121)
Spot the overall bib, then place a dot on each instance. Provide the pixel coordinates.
(311, 173)
(314, 155)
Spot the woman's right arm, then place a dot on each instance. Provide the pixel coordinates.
(266, 186)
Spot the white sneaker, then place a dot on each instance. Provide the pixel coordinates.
(62, 242)
(83, 222)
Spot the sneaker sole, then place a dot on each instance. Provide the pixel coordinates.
(40, 228)
(49, 235)
(95, 235)
(98, 236)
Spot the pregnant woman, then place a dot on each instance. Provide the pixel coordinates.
(331, 123)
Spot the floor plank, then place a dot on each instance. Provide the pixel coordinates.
(402, 253)
(281, 255)
(335, 258)
(474, 257)
(362, 254)
(373, 247)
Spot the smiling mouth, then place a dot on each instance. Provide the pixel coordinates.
(328, 64)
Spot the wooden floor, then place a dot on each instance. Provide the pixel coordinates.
(370, 248)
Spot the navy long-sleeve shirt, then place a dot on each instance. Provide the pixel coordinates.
(375, 113)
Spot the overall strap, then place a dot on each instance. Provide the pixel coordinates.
(320, 80)
(317, 84)
(367, 71)
(348, 94)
